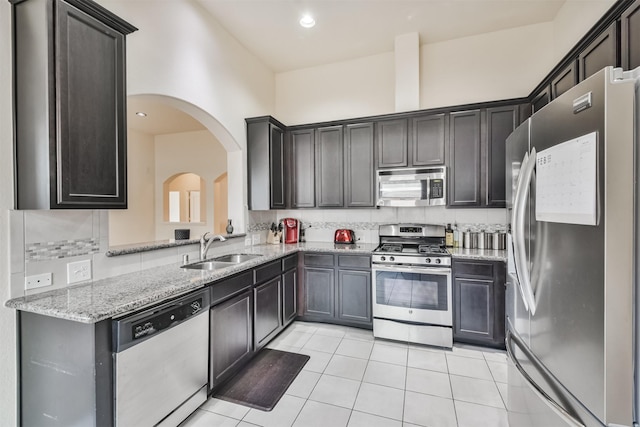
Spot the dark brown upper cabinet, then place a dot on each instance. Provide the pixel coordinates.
(500, 123)
(564, 80)
(302, 145)
(464, 158)
(391, 138)
(630, 37)
(266, 161)
(359, 178)
(542, 98)
(602, 52)
(428, 139)
(70, 133)
(329, 167)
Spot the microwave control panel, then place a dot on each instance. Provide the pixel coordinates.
(437, 188)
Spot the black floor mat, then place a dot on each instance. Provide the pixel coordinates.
(264, 380)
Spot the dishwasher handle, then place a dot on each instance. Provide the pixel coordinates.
(138, 327)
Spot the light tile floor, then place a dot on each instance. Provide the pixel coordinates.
(354, 380)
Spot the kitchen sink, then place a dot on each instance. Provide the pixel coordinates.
(221, 262)
(236, 258)
(208, 265)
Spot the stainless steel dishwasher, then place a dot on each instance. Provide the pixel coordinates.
(161, 362)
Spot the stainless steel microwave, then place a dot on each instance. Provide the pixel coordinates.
(412, 187)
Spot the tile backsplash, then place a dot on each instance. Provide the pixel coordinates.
(320, 224)
(46, 241)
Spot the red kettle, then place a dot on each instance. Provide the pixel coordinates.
(344, 236)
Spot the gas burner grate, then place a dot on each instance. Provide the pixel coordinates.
(431, 249)
(390, 248)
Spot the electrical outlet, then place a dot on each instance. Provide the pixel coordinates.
(37, 281)
(78, 271)
(255, 239)
(247, 241)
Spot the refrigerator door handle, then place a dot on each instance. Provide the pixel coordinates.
(518, 221)
(542, 395)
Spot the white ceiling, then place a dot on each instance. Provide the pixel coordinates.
(161, 118)
(347, 29)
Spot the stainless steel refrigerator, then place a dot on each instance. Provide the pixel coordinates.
(572, 201)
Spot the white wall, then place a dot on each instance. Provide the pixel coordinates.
(197, 152)
(8, 384)
(356, 88)
(181, 52)
(493, 66)
(137, 223)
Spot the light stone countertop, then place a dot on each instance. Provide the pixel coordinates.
(159, 244)
(102, 299)
(479, 254)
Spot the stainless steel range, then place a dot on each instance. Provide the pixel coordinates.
(411, 277)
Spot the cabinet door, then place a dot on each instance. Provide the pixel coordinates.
(464, 158)
(474, 309)
(602, 52)
(266, 312)
(391, 137)
(359, 166)
(91, 143)
(541, 99)
(630, 37)
(303, 169)
(277, 168)
(231, 337)
(354, 296)
(500, 123)
(319, 292)
(329, 167)
(428, 140)
(289, 287)
(564, 81)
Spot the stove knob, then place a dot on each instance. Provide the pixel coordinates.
(392, 258)
(438, 261)
(428, 260)
(383, 258)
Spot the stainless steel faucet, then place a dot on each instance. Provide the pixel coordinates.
(205, 243)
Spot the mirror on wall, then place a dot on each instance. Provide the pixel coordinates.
(176, 176)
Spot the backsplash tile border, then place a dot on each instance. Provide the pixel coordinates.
(43, 251)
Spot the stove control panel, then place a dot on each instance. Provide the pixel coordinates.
(432, 260)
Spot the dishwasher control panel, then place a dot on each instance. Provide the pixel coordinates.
(166, 319)
(139, 326)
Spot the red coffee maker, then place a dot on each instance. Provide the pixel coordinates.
(291, 230)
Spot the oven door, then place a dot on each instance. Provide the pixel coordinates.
(412, 294)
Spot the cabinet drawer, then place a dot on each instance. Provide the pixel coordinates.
(267, 271)
(320, 260)
(482, 270)
(290, 262)
(224, 289)
(354, 261)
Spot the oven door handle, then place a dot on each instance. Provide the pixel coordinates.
(401, 269)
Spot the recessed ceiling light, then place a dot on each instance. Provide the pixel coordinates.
(141, 114)
(307, 21)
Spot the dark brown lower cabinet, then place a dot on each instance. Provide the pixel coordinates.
(231, 337)
(318, 292)
(336, 289)
(354, 295)
(266, 311)
(289, 296)
(479, 305)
